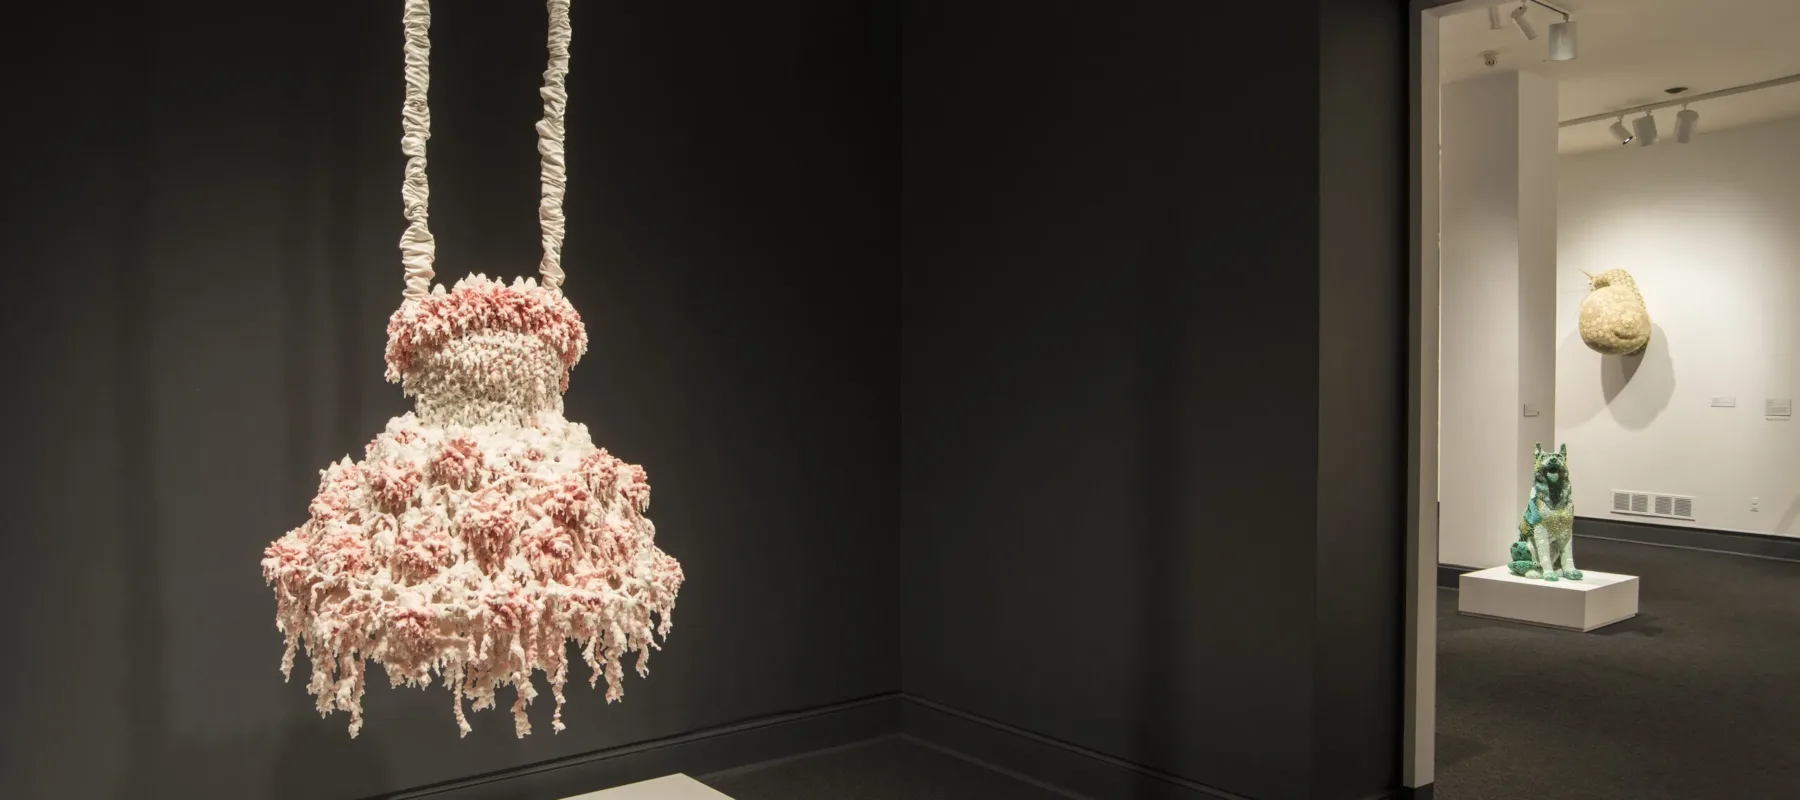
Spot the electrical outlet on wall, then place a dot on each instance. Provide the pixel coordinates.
(1755, 504)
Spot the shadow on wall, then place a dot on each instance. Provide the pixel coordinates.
(1634, 389)
(1787, 518)
(304, 759)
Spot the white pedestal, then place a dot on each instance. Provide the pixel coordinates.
(1597, 600)
(672, 787)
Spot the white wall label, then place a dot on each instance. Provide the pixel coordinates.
(1530, 410)
(1724, 402)
(1779, 408)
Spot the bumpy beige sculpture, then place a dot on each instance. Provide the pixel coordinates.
(1614, 320)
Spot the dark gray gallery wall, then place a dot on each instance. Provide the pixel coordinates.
(199, 237)
(1363, 331)
(1153, 370)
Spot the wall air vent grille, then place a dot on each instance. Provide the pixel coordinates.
(1646, 504)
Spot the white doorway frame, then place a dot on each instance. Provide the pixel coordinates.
(1419, 758)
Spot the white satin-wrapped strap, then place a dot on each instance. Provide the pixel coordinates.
(417, 247)
(550, 145)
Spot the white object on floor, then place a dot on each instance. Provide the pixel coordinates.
(1597, 600)
(670, 787)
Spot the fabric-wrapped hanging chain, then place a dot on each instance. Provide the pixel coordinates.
(481, 531)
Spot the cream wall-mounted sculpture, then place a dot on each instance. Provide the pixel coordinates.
(1614, 319)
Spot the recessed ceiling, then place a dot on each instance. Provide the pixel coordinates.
(1631, 50)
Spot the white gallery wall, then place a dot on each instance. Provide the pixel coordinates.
(1711, 232)
(1497, 297)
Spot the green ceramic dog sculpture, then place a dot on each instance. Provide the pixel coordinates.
(1546, 545)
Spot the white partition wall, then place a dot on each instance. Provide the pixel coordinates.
(1498, 312)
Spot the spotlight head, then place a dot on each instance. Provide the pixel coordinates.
(1619, 132)
(1562, 40)
(1644, 128)
(1524, 25)
(1494, 18)
(1685, 123)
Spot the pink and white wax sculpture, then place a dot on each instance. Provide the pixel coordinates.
(482, 530)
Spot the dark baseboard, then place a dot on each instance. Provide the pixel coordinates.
(1760, 545)
(1057, 766)
(1060, 766)
(1757, 545)
(1414, 792)
(1448, 573)
(701, 752)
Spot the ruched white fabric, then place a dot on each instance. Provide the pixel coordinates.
(552, 172)
(418, 249)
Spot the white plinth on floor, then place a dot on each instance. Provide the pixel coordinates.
(671, 787)
(1597, 600)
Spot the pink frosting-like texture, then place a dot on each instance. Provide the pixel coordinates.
(480, 534)
(477, 304)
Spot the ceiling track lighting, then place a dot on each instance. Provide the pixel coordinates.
(1620, 132)
(1687, 121)
(1643, 130)
(1562, 40)
(1524, 25)
(1562, 34)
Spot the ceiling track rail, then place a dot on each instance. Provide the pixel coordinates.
(1565, 14)
(1682, 101)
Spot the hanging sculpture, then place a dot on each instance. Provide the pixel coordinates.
(1546, 545)
(1614, 320)
(481, 531)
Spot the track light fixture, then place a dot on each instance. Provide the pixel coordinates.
(1684, 124)
(1687, 121)
(1619, 132)
(1524, 25)
(1562, 40)
(1644, 130)
(1562, 34)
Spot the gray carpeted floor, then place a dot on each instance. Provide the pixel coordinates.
(1697, 697)
(886, 769)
